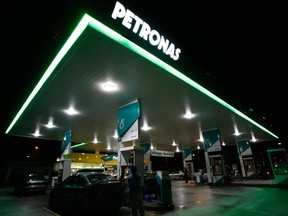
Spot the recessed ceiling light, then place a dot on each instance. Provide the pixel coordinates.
(50, 123)
(95, 141)
(115, 134)
(145, 127)
(37, 133)
(109, 86)
(174, 143)
(189, 115)
(71, 111)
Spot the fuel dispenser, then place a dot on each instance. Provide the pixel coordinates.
(127, 157)
(164, 188)
(131, 156)
(279, 164)
(218, 171)
(249, 167)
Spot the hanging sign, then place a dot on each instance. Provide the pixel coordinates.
(244, 147)
(132, 133)
(110, 157)
(212, 140)
(128, 115)
(66, 140)
(158, 153)
(146, 147)
(187, 154)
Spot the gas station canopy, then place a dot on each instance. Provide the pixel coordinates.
(97, 71)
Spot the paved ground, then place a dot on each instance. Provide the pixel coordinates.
(250, 198)
(228, 200)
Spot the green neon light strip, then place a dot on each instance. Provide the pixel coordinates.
(88, 20)
(276, 150)
(80, 144)
(74, 36)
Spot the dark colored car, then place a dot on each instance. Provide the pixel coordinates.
(87, 193)
(31, 183)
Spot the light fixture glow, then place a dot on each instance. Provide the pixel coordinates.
(253, 139)
(50, 123)
(201, 139)
(71, 111)
(109, 86)
(115, 134)
(188, 114)
(236, 131)
(174, 143)
(145, 127)
(95, 140)
(37, 133)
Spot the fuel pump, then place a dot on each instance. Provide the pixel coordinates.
(131, 156)
(249, 167)
(218, 171)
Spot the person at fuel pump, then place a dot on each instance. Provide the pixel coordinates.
(186, 175)
(135, 192)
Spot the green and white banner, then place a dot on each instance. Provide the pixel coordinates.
(66, 143)
(244, 147)
(128, 128)
(110, 157)
(146, 147)
(132, 133)
(187, 154)
(212, 141)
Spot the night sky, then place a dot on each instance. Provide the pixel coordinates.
(237, 51)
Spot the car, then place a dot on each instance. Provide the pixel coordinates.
(176, 175)
(31, 183)
(87, 193)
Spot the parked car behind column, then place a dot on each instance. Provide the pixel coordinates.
(176, 175)
(87, 193)
(31, 183)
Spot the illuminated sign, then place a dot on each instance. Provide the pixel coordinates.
(130, 20)
(158, 153)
